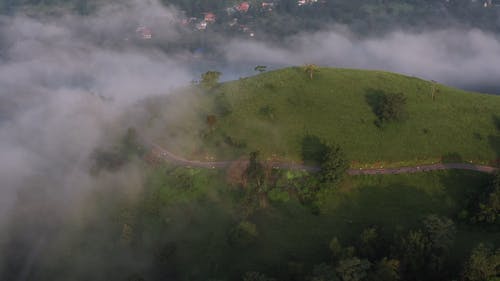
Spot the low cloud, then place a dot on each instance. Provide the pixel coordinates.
(462, 58)
(65, 82)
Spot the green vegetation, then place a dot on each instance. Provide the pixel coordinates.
(333, 165)
(210, 79)
(190, 224)
(275, 111)
(483, 264)
(260, 68)
(486, 207)
(254, 221)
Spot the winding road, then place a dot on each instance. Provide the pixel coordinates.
(170, 157)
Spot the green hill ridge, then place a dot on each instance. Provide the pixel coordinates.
(274, 111)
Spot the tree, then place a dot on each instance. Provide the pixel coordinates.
(255, 170)
(310, 69)
(392, 107)
(210, 79)
(260, 68)
(369, 243)
(352, 269)
(483, 264)
(423, 252)
(333, 165)
(441, 232)
(434, 89)
(488, 210)
(336, 248)
(414, 251)
(386, 270)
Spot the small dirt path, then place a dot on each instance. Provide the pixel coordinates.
(169, 156)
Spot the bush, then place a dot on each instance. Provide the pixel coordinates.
(334, 165)
(210, 79)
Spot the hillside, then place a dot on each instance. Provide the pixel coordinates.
(273, 112)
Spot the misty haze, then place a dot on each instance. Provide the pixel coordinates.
(251, 140)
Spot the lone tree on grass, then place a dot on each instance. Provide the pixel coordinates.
(310, 69)
(260, 68)
(434, 89)
(210, 79)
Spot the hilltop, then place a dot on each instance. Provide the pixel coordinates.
(275, 111)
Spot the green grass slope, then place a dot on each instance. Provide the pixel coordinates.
(273, 111)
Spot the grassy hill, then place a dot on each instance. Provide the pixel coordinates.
(273, 112)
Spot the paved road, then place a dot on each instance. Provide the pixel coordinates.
(167, 155)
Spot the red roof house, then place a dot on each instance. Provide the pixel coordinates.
(243, 7)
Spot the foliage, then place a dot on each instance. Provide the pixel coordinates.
(385, 270)
(311, 69)
(440, 231)
(336, 248)
(352, 269)
(488, 209)
(255, 170)
(333, 165)
(427, 248)
(260, 68)
(414, 250)
(182, 218)
(277, 195)
(483, 264)
(210, 79)
(370, 243)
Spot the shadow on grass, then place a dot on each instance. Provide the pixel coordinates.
(375, 98)
(312, 149)
(464, 186)
(452, 157)
(496, 121)
(389, 206)
(494, 140)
